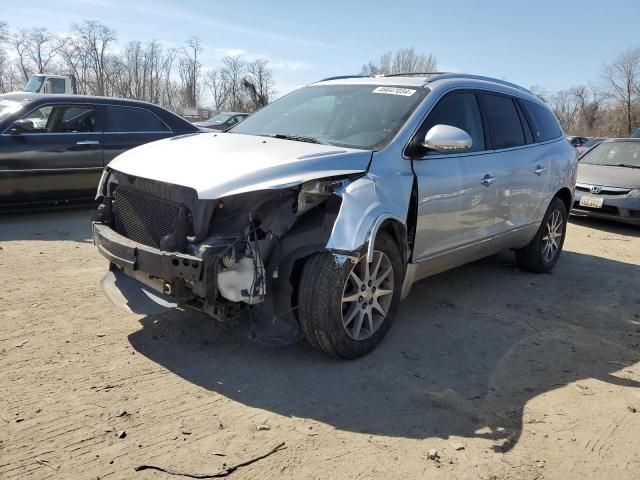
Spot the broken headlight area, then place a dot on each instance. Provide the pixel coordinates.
(215, 255)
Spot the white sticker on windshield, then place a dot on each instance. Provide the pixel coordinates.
(405, 92)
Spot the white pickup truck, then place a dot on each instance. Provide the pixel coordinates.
(56, 84)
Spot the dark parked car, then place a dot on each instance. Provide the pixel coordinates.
(222, 121)
(53, 147)
(577, 141)
(588, 145)
(608, 184)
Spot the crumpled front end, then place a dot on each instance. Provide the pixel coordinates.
(167, 247)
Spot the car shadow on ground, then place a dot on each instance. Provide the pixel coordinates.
(463, 358)
(609, 226)
(71, 223)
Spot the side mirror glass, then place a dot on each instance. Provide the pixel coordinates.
(447, 139)
(22, 126)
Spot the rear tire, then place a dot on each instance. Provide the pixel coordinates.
(341, 306)
(544, 250)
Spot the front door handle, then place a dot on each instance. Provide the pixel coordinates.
(539, 170)
(88, 142)
(488, 180)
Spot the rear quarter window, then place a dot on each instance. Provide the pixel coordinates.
(543, 124)
(127, 119)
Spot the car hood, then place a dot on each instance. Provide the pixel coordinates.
(220, 164)
(609, 176)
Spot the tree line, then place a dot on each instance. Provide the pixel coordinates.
(608, 107)
(148, 71)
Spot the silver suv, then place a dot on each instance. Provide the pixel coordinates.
(315, 215)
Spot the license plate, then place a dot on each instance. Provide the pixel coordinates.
(591, 202)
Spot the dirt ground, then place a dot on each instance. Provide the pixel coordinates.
(508, 375)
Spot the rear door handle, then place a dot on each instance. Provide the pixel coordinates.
(488, 180)
(539, 170)
(88, 142)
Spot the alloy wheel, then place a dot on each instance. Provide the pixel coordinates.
(367, 296)
(552, 236)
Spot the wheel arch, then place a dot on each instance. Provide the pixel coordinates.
(393, 226)
(566, 196)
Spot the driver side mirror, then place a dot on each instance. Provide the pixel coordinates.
(22, 126)
(447, 139)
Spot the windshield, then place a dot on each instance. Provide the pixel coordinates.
(356, 116)
(7, 107)
(616, 154)
(34, 84)
(218, 119)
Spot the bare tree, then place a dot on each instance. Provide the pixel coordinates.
(233, 71)
(258, 84)
(590, 101)
(41, 48)
(94, 42)
(217, 87)
(566, 106)
(189, 69)
(622, 79)
(405, 60)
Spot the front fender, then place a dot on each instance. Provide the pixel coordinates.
(366, 204)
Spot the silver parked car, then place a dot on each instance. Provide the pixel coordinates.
(316, 214)
(608, 184)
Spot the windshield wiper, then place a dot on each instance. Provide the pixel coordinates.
(299, 138)
(626, 165)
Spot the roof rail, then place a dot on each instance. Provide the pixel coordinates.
(441, 76)
(411, 74)
(341, 77)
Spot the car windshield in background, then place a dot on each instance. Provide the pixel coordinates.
(592, 142)
(218, 119)
(614, 154)
(34, 84)
(7, 107)
(356, 116)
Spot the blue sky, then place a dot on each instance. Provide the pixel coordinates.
(554, 44)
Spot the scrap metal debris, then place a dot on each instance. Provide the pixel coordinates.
(222, 473)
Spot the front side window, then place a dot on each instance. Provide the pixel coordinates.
(614, 154)
(458, 109)
(62, 119)
(504, 121)
(128, 119)
(356, 116)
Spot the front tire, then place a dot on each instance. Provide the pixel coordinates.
(346, 309)
(543, 252)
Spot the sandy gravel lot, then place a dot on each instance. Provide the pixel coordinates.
(508, 375)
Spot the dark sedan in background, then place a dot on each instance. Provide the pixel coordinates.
(222, 121)
(53, 147)
(608, 184)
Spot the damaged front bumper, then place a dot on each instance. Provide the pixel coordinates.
(165, 278)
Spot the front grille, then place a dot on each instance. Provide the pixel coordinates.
(144, 218)
(603, 190)
(606, 209)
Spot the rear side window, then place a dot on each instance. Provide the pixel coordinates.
(127, 119)
(502, 116)
(543, 123)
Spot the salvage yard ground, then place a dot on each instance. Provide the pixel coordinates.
(507, 375)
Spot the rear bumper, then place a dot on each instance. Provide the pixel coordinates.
(618, 208)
